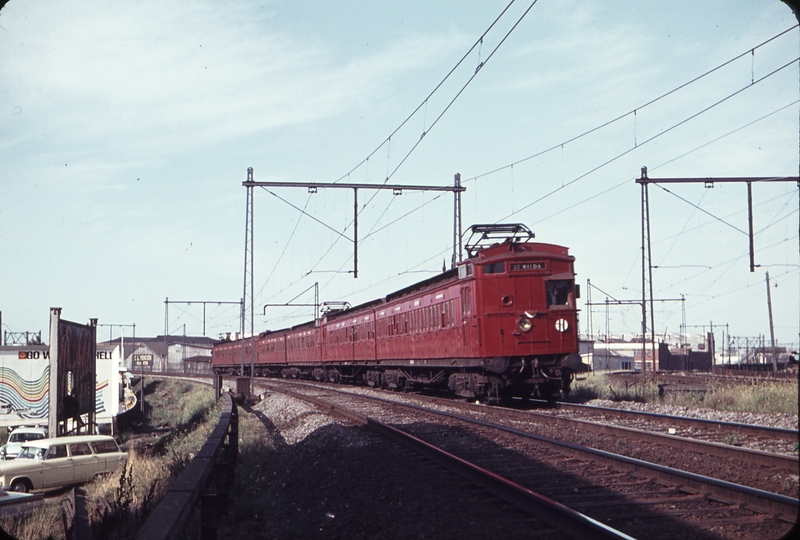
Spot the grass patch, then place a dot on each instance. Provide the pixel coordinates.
(119, 503)
(747, 395)
(754, 396)
(599, 386)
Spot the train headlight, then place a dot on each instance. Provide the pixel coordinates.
(525, 324)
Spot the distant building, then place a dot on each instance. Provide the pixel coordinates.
(163, 354)
(626, 352)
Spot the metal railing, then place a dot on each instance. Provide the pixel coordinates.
(206, 479)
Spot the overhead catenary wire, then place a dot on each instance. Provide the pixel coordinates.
(425, 101)
(632, 111)
(735, 213)
(427, 130)
(464, 87)
(607, 123)
(654, 137)
(627, 181)
(696, 207)
(285, 247)
(753, 82)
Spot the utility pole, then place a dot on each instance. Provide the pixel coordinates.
(248, 258)
(771, 327)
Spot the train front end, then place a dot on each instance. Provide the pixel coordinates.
(527, 318)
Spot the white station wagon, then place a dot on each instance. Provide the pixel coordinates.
(49, 463)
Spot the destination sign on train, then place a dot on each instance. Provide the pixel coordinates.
(528, 266)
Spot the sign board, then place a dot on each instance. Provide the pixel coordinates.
(143, 360)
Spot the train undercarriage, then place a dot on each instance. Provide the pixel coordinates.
(491, 380)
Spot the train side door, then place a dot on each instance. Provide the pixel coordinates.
(466, 315)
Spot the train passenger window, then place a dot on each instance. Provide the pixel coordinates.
(558, 292)
(494, 268)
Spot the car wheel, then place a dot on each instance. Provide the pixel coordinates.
(20, 486)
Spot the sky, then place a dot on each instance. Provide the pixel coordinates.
(126, 131)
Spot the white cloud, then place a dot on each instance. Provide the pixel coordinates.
(179, 76)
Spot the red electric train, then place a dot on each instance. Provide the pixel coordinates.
(503, 323)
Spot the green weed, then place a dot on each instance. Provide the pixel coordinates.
(765, 397)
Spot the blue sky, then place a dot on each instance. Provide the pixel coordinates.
(127, 130)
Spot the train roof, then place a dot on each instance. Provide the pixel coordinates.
(486, 242)
(422, 285)
(532, 248)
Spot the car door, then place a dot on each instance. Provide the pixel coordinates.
(109, 455)
(56, 467)
(84, 463)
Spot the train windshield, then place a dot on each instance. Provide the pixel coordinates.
(494, 268)
(558, 291)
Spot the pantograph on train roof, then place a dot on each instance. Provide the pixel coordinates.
(487, 235)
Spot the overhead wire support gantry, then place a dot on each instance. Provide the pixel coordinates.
(397, 189)
(647, 266)
(167, 302)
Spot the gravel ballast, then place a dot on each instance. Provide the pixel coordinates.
(305, 474)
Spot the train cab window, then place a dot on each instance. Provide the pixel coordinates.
(558, 291)
(464, 270)
(494, 268)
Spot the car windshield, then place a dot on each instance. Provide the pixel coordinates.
(28, 452)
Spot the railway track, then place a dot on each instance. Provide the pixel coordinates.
(634, 496)
(553, 519)
(696, 444)
(773, 439)
(694, 448)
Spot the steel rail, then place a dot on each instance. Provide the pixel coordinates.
(562, 517)
(750, 429)
(760, 457)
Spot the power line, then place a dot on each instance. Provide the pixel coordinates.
(477, 69)
(628, 180)
(372, 231)
(458, 94)
(634, 111)
(696, 207)
(654, 137)
(425, 101)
